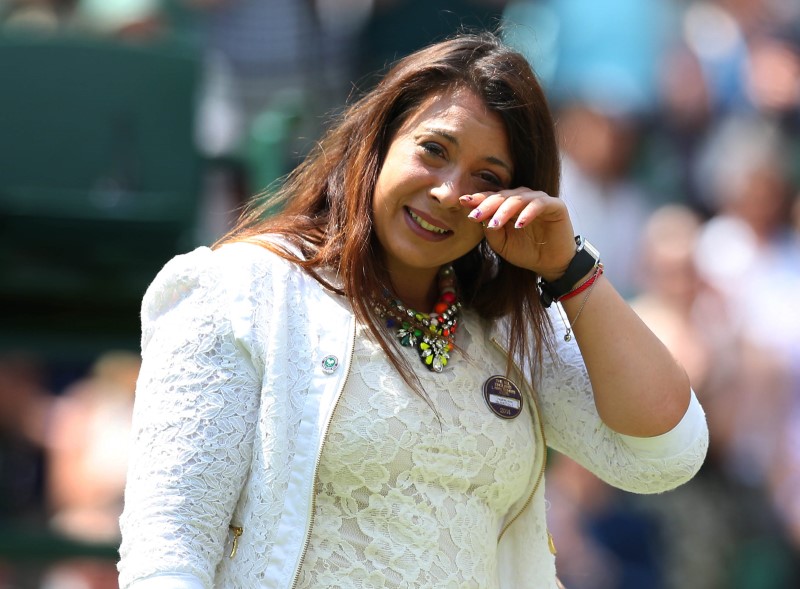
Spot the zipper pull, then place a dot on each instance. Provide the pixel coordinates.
(237, 531)
(551, 543)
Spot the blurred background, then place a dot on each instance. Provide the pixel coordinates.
(132, 130)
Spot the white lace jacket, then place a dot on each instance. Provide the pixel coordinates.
(232, 405)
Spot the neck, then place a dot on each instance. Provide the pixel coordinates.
(417, 290)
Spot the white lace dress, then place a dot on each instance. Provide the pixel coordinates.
(406, 499)
(229, 411)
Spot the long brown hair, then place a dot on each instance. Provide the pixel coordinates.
(326, 202)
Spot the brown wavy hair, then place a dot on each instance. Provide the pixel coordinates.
(325, 203)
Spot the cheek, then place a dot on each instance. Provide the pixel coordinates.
(381, 206)
(384, 193)
(383, 214)
(472, 235)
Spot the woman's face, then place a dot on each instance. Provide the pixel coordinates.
(451, 146)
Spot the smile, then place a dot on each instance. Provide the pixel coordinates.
(425, 225)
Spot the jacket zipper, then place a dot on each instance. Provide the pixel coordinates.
(237, 531)
(313, 506)
(540, 474)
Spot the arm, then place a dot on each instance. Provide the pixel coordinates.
(639, 388)
(194, 421)
(574, 427)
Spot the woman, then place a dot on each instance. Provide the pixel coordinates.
(358, 391)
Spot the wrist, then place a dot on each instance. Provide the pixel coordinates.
(584, 284)
(552, 276)
(582, 266)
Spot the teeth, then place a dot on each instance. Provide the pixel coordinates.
(425, 225)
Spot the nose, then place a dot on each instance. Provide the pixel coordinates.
(447, 191)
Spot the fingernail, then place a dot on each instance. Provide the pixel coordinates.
(494, 223)
(519, 224)
(466, 198)
(476, 214)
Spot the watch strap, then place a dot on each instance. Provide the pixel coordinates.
(586, 257)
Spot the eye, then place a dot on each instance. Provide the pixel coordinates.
(491, 180)
(433, 148)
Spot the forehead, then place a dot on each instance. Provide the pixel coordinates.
(453, 109)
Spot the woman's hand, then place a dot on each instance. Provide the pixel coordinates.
(527, 228)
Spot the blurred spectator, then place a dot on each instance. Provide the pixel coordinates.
(785, 480)
(604, 199)
(717, 40)
(745, 169)
(257, 51)
(126, 19)
(674, 133)
(758, 214)
(36, 15)
(87, 449)
(772, 74)
(691, 318)
(605, 52)
(687, 314)
(605, 540)
(80, 574)
(87, 461)
(396, 28)
(273, 69)
(24, 407)
(751, 256)
(748, 51)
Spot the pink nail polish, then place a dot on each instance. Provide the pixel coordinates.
(519, 224)
(494, 223)
(476, 214)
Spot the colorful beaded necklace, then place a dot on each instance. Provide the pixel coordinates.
(430, 334)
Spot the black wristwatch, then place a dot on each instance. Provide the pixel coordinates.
(586, 257)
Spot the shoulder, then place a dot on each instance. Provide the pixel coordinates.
(230, 266)
(230, 281)
(231, 259)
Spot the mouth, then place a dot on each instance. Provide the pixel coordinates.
(426, 225)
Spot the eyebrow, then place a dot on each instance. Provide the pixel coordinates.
(452, 138)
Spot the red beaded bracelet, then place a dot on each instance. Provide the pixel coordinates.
(584, 285)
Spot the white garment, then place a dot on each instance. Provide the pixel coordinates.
(406, 499)
(231, 414)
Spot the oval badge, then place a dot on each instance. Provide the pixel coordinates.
(502, 396)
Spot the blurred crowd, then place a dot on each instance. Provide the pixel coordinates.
(680, 129)
(679, 124)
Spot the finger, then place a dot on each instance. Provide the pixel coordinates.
(472, 201)
(529, 213)
(483, 212)
(536, 207)
(475, 199)
(507, 211)
(479, 197)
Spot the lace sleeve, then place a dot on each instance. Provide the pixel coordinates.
(194, 420)
(574, 428)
